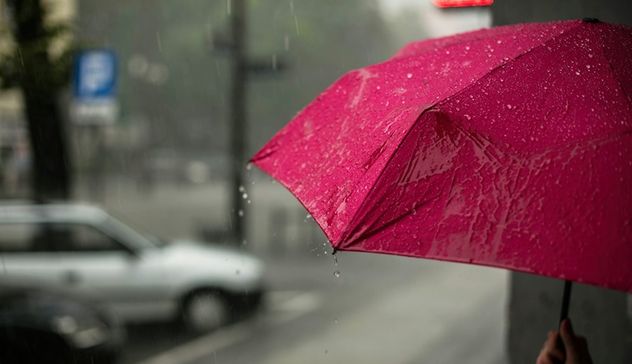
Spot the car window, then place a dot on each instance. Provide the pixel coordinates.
(54, 237)
(88, 238)
(16, 237)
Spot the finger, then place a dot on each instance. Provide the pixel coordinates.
(550, 352)
(568, 336)
(546, 358)
(551, 339)
(582, 345)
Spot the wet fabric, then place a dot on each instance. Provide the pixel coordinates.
(508, 147)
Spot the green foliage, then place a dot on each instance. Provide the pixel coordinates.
(58, 67)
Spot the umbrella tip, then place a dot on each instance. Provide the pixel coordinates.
(591, 20)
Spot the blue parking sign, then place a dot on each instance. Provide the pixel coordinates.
(95, 75)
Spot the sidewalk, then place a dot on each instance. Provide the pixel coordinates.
(435, 319)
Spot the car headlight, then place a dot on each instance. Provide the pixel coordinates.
(82, 335)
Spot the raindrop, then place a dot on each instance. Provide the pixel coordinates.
(242, 189)
(468, 117)
(509, 106)
(248, 166)
(337, 274)
(590, 55)
(240, 213)
(587, 66)
(499, 41)
(159, 42)
(409, 75)
(467, 48)
(244, 196)
(297, 26)
(577, 73)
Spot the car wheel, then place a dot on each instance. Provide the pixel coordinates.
(205, 311)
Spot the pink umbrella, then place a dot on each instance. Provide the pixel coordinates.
(508, 147)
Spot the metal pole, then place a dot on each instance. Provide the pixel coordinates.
(238, 117)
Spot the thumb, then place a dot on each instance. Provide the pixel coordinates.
(568, 337)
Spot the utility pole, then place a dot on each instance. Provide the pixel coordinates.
(238, 117)
(242, 67)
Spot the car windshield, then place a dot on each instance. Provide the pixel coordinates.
(133, 236)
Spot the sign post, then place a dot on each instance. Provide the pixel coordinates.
(94, 106)
(94, 88)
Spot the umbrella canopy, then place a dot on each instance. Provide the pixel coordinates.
(508, 147)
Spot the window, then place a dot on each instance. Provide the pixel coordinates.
(16, 237)
(54, 237)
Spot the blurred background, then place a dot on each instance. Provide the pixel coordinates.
(140, 117)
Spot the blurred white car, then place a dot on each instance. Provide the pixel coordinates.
(138, 277)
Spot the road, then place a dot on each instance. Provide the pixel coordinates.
(364, 309)
(380, 309)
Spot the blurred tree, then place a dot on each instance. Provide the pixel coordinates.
(40, 74)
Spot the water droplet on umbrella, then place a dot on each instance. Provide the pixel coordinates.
(509, 106)
(409, 75)
(577, 73)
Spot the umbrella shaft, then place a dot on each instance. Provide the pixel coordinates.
(566, 300)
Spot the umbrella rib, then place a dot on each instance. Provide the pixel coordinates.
(349, 231)
(351, 227)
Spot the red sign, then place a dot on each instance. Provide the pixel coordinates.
(461, 3)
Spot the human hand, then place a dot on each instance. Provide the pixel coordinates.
(574, 351)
